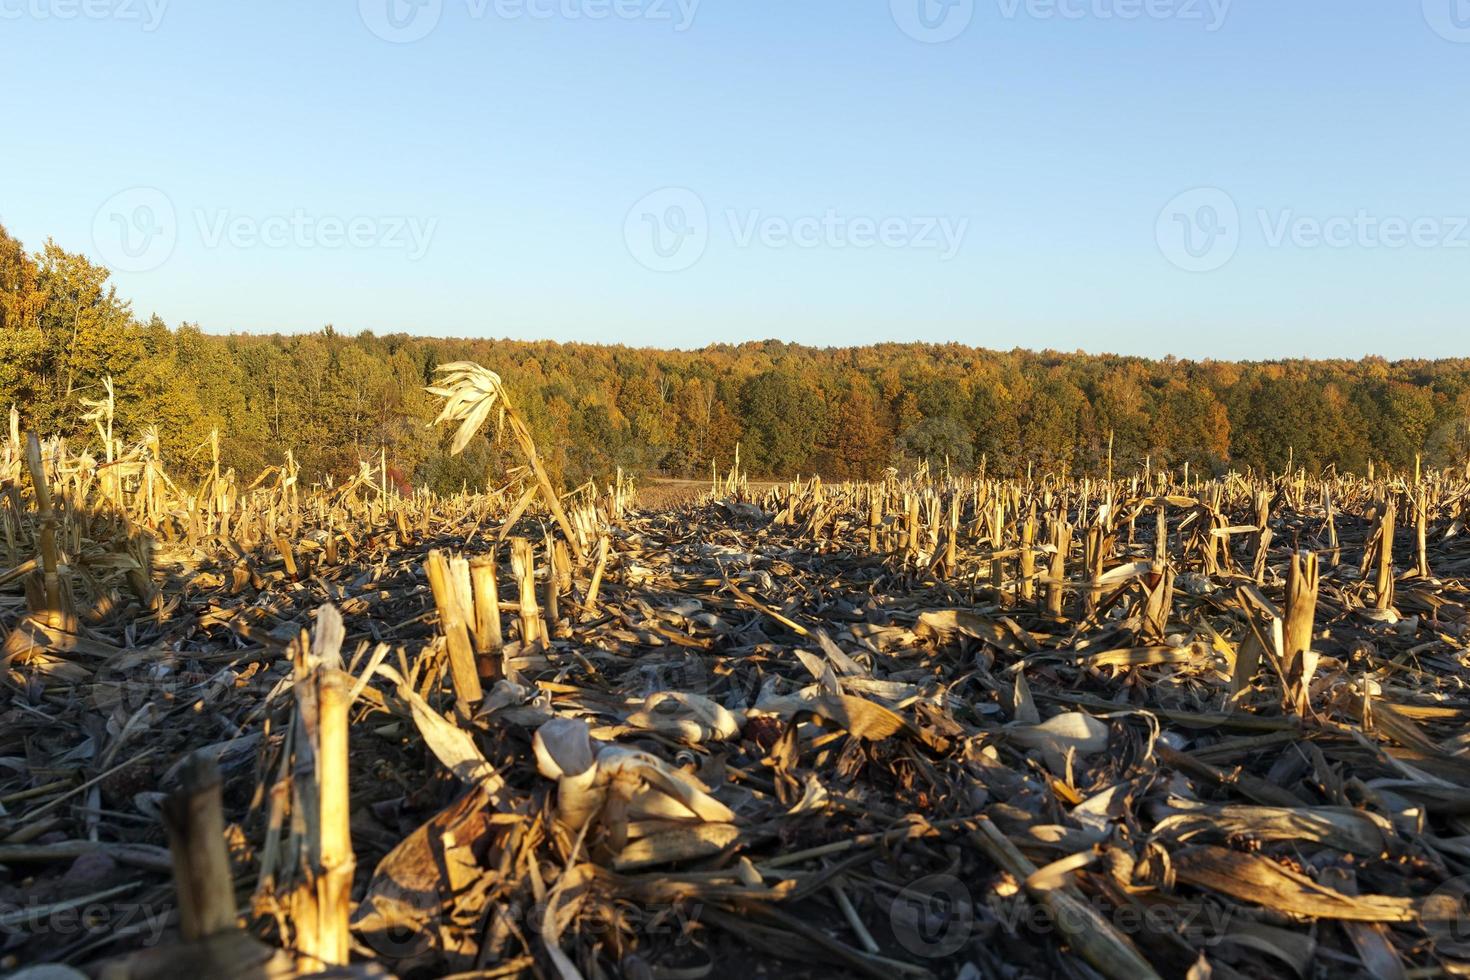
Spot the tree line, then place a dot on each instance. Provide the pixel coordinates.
(333, 399)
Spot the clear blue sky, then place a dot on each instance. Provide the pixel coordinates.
(517, 136)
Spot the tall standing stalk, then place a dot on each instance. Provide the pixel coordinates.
(50, 560)
(470, 394)
(1383, 579)
(1301, 611)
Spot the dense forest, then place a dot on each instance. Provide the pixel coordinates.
(843, 412)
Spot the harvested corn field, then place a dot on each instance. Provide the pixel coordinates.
(932, 726)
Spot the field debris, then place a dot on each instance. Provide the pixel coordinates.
(940, 725)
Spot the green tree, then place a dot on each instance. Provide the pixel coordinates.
(782, 418)
(938, 441)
